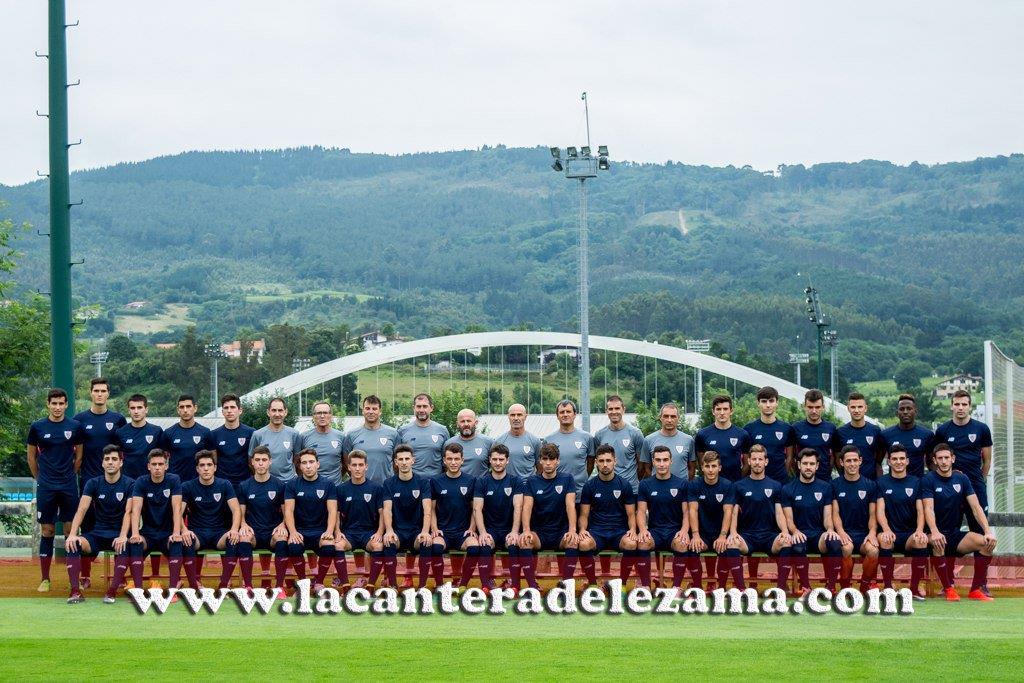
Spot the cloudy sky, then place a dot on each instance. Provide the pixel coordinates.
(758, 83)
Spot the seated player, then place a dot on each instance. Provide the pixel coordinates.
(213, 518)
(497, 510)
(452, 510)
(156, 518)
(261, 498)
(900, 514)
(853, 517)
(406, 512)
(758, 525)
(807, 506)
(710, 501)
(946, 494)
(608, 517)
(310, 514)
(109, 497)
(549, 517)
(661, 517)
(360, 525)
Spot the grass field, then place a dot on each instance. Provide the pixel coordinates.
(886, 388)
(286, 296)
(174, 315)
(177, 645)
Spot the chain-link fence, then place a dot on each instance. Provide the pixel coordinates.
(1004, 414)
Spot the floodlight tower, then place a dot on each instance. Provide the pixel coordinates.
(816, 316)
(581, 165)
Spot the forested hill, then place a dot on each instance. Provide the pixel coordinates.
(912, 261)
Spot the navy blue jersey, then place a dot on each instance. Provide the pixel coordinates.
(665, 500)
(966, 441)
(262, 501)
(949, 498)
(548, 513)
(729, 443)
(820, 437)
(756, 499)
(55, 444)
(808, 501)
(900, 496)
(183, 443)
(98, 431)
(232, 446)
(453, 500)
(136, 443)
(359, 506)
(918, 441)
(157, 511)
(206, 506)
(109, 501)
(776, 438)
(710, 500)
(310, 501)
(867, 439)
(608, 501)
(854, 499)
(499, 499)
(407, 503)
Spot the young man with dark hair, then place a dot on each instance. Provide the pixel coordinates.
(758, 523)
(915, 439)
(522, 445)
(900, 514)
(729, 441)
(711, 502)
(807, 506)
(452, 510)
(628, 442)
(374, 438)
(679, 443)
(156, 518)
(549, 517)
(137, 438)
(774, 434)
(185, 438)
(311, 515)
(971, 441)
(260, 499)
(53, 449)
(283, 441)
(213, 518)
(607, 518)
(815, 432)
(407, 516)
(230, 442)
(661, 516)
(426, 437)
(575, 446)
(360, 524)
(854, 499)
(497, 514)
(109, 497)
(866, 436)
(476, 447)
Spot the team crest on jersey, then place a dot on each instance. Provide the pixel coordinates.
(824, 436)
(286, 444)
(478, 451)
(778, 435)
(367, 497)
(507, 490)
(527, 449)
(383, 441)
(435, 437)
(720, 496)
(416, 493)
(241, 441)
(616, 493)
(910, 492)
(768, 493)
(216, 497)
(577, 444)
(956, 487)
(558, 489)
(817, 495)
(334, 443)
(464, 490)
(917, 443)
(673, 492)
(970, 437)
(679, 449)
(734, 441)
(167, 493)
(109, 425)
(197, 439)
(320, 493)
(119, 495)
(869, 439)
(625, 442)
(67, 435)
(271, 495)
(862, 494)
(149, 438)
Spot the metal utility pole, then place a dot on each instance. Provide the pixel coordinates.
(815, 315)
(580, 165)
(215, 352)
(700, 346)
(98, 359)
(298, 365)
(831, 339)
(799, 359)
(61, 332)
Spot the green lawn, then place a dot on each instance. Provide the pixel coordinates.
(36, 634)
(886, 388)
(338, 294)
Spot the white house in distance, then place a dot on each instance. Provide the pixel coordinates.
(234, 349)
(946, 387)
(376, 339)
(548, 355)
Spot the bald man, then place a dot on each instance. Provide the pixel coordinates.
(523, 446)
(475, 447)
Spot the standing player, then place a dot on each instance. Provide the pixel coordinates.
(711, 501)
(853, 516)
(680, 444)
(374, 438)
(231, 442)
(325, 440)
(807, 506)
(452, 509)
(138, 437)
(628, 442)
(360, 524)
(475, 447)
(260, 499)
(866, 436)
(497, 513)
(109, 496)
(213, 518)
(575, 446)
(549, 517)
(774, 434)
(900, 514)
(971, 441)
(947, 493)
(608, 517)
(184, 439)
(156, 518)
(661, 517)
(759, 525)
(426, 437)
(815, 432)
(407, 517)
(729, 441)
(916, 440)
(282, 440)
(311, 514)
(54, 453)
(523, 446)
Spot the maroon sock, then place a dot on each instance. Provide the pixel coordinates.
(323, 565)
(86, 567)
(468, 567)
(568, 564)
(437, 568)
(376, 566)
(831, 564)
(711, 566)
(643, 566)
(736, 567)
(198, 564)
(803, 570)
(227, 569)
(245, 565)
(120, 568)
(918, 568)
(424, 561)
(721, 572)
(136, 563)
(191, 575)
(391, 569)
(626, 566)
(606, 565)
(74, 565)
(752, 564)
(530, 571)
(939, 567)
(173, 570)
(681, 564)
(299, 566)
(587, 562)
(280, 569)
(888, 564)
(484, 566)
(981, 563)
(44, 566)
(154, 566)
(341, 567)
(515, 570)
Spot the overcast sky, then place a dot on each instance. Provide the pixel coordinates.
(758, 83)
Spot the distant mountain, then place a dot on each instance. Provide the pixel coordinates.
(912, 261)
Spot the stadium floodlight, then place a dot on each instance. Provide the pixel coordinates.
(556, 152)
(557, 165)
(602, 150)
(585, 151)
(571, 152)
(602, 163)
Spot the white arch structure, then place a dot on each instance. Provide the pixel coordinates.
(318, 374)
